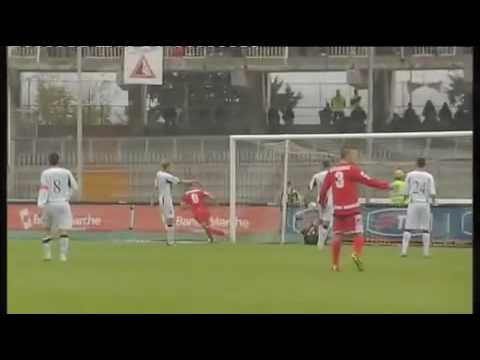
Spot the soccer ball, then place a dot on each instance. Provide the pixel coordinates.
(312, 205)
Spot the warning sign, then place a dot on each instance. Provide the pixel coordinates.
(142, 70)
(143, 65)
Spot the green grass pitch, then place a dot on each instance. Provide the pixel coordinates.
(115, 277)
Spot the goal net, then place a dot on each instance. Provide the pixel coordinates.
(269, 176)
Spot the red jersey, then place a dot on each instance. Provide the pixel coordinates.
(196, 198)
(343, 179)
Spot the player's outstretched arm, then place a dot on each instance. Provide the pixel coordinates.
(312, 184)
(211, 199)
(187, 182)
(362, 178)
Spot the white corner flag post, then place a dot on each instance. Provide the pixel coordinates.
(79, 124)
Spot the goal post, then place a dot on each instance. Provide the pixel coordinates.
(262, 165)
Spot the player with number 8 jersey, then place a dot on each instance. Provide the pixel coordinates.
(343, 179)
(196, 198)
(56, 188)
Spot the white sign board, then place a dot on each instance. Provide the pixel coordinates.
(143, 65)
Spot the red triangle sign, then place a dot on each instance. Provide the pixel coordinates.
(142, 70)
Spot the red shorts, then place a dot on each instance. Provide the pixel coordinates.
(350, 224)
(202, 215)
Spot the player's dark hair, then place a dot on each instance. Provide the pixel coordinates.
(53, 159)
(326, 164)
(165, 165)
(421, 162)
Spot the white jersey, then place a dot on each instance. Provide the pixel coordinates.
(317, 180)
(56, 185)
(420, 187)
(164, 182)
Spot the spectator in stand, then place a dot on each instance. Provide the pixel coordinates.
(429, 109)
(356, 99)
(338, 107)
(357, 120)
(446, 118)
(411, 121)
(288, 116)
(326, 118)
(396, 123)
(430, 122)
(273, 120)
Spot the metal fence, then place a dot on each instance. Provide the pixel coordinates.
(206, 159)
(116, 52)
(185, 51)
(344, 51)
(106, 52)
(23, 51)
(434, 51)
(267, 52)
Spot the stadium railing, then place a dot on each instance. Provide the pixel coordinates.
(267, 52)
(254, 52)
(207, 157)
(434, 50)
(344, 51)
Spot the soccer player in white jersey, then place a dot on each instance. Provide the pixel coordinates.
(163, 184)
(56, 188)
(326, 215)
(420, 189)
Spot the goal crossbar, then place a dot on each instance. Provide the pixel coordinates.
(233, 139)
(412, 135)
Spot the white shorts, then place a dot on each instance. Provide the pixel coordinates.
(419, 217)
(166, 208)
(58, 216)
(326, 215)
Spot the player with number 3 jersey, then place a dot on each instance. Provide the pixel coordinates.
(343, 179)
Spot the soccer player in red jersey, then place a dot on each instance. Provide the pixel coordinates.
(347, 225)
(196, 198)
